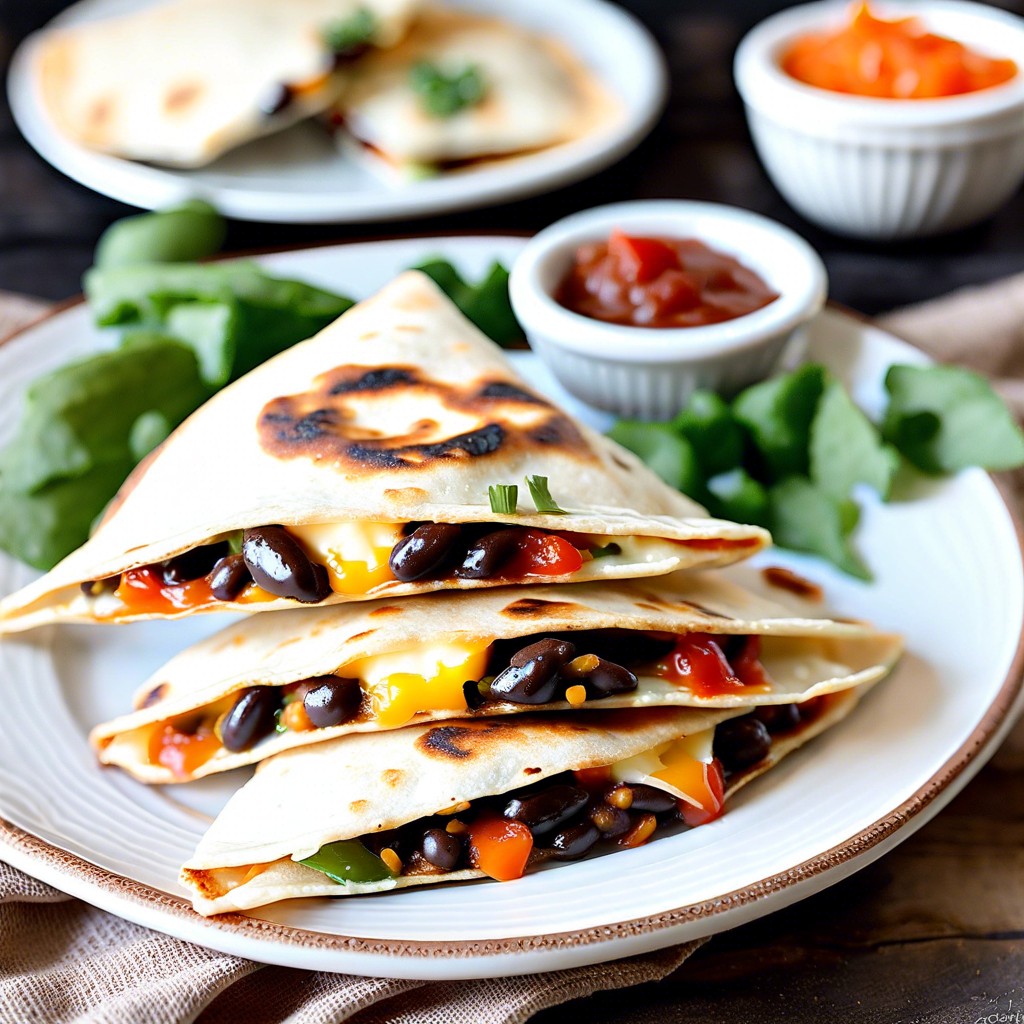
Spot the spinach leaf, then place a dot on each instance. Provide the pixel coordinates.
(944, 418)
(486, 303)
(804, 518)
(846, 448)
(778, 413)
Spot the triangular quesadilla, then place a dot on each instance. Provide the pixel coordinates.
(463, 87)
(289, 680)
(360, 464)
(487, 797)
(179, 83)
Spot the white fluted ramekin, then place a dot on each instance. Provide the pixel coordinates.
(650, 372)
(883, 168)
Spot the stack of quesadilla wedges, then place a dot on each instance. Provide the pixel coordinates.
(419, 87)
(495, 635)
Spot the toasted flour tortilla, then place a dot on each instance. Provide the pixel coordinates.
(248, 857)
(804, 657)
(400, 411)
(535, 93)
(179, 83)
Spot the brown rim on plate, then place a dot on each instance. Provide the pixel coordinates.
(144, 896)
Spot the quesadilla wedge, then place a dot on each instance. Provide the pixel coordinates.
(179, 83)
(461, 87)
(361, 464)
(483, 798)
(693, 639)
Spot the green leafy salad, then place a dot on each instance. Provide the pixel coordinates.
(179, 330)
(788, 452)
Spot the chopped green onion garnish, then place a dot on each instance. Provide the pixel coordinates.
(504, 498)
(349, 35)
(607, 551)
(444, 95)
(542, 496)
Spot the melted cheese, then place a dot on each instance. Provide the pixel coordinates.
(403, 683)
(678, 767)
(356, 553)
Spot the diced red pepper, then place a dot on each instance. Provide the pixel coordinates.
(699, 664)
(641, 259)
(499, 847)
(542, 554)
(714, 804)
(593, 778)
(182, 751)
(747, 665)
(143, 591)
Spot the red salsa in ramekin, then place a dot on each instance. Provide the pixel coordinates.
(660, 282)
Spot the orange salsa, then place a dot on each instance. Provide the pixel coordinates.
(898, 59)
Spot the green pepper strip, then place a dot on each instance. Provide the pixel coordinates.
(349, 861)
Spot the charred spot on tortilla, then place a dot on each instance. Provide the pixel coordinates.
(557, 430)
(786, 579)
(443, 740)
(358, 805)
(100, 111)
(392, 776)
(659, 602)
(531, 771)
(387, 609)
(511, 392)
(531, 606)
(344, 419)
(182, 96)
(375, 380)
(360, 636)
(703, 610)
(474, 443)
(154, 696)
(621, 462)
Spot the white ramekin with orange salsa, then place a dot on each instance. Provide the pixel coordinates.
(901, 121)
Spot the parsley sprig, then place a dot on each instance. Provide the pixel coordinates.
(443, 94)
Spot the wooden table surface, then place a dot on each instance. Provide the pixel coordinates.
(934, 931)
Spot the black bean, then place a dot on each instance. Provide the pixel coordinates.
(778, 718)
(532, 677)
(547, 809)
(741, 742)
(331, 700)
(648, 798)
(441, 848)
(280, 566)
(193, 564)
(229, 577)
(423, 551)
(488, 554)
(575, 841)
(607, 679)
(612, 821)
(471, 692)
(624, 646)
(251, 718)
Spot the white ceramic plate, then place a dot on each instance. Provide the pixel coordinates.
(948, 567)
(298, 175)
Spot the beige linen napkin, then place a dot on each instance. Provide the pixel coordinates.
(65, 962)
